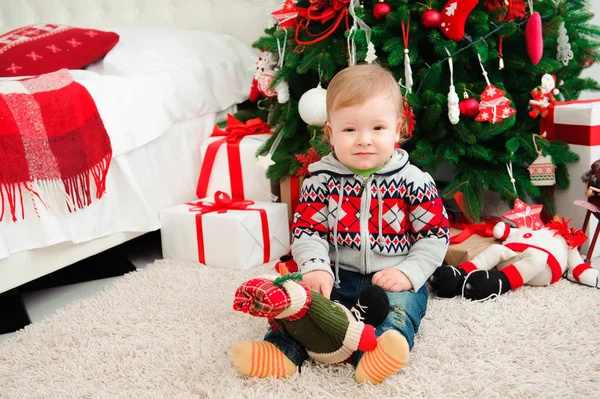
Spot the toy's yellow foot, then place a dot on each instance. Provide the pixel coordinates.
(391, 355)
(261, 359)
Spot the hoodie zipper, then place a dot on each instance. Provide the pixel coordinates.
(364, 225)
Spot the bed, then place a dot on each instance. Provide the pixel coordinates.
(156, 120)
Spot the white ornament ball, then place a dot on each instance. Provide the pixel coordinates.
(313, 107)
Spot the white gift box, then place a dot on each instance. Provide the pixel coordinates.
(234, 168)
(577, 123)
(233, 239)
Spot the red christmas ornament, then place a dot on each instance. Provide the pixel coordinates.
(534, 38)
(515, 9)
(381, 9)
(431, 19)
(287, 16)
(525, 215)
(494, 105)
(305, 160)
(254, 92)
(469, 107)
(410, 118)
(454, 16)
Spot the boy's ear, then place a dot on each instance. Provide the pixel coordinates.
(328, 130)
(399, 128)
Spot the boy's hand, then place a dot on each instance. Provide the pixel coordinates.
(392, 279)
(320, 281)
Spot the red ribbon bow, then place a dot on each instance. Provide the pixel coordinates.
(321, 11)
(222, 204)
(232, 135)
(485, 229)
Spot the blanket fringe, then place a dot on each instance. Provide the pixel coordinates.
(72, 193)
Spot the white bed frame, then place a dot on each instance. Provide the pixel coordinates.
(244, 19)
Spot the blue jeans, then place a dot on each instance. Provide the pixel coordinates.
(407, 308)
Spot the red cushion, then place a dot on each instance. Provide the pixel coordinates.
(44, 48)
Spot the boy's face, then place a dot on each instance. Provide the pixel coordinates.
(363, 136)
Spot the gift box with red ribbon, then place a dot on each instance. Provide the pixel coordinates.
(577, 123)
(468, 248)
(468, 239)
(229, 161)
(225, 232)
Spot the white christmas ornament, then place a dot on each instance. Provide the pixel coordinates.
(371, 55)
(265, 160)
(283, 92)
(312, 106)
(563, 50)
(453, 103)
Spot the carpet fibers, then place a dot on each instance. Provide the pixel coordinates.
(166, 332)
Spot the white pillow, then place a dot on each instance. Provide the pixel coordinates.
(211, 67)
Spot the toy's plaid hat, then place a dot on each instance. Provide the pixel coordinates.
(273, 298)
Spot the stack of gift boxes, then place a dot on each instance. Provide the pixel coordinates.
(578, 124)
(233, 224)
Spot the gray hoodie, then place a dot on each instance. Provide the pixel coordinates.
(396, 211)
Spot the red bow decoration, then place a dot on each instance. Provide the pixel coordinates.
(573, 236)
(485, 229)
(322, 11)
(233, 134)
(236, 130)
(222, 204)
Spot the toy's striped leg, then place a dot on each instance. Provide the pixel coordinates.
(488, 259)
(530, 264)
(582, 272)
(449, 281)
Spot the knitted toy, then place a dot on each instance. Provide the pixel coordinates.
(328, 331)
(528, 255)
(543, 95)
(373, 305)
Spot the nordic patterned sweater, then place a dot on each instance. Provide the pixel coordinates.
(392, 218)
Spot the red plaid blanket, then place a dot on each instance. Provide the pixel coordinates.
(53, 145)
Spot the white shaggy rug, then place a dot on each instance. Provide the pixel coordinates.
(166, 332)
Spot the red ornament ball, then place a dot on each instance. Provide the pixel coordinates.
(381, 10)
(431, 19)
(469, 107)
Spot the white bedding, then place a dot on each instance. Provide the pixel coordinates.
(156, 113)
(160, 174)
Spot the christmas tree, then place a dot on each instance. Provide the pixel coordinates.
(471, 73)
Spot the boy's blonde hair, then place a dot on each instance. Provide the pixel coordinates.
(356, 84)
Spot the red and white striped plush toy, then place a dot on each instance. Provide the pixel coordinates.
(536, 255)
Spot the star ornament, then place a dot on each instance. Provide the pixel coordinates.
(265, 161)
(525, 215)
(287, 15)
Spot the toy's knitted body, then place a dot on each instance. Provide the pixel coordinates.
(327, 330)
